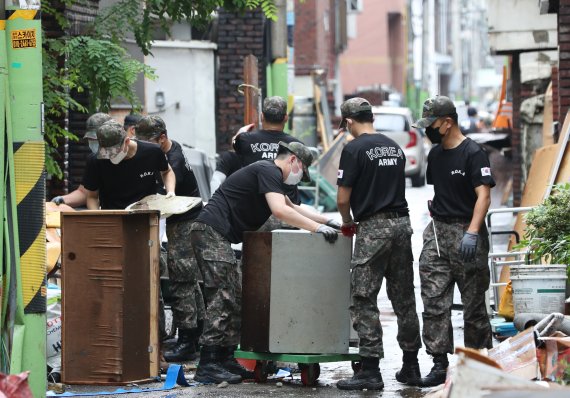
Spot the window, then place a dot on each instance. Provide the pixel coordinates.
(354, 5)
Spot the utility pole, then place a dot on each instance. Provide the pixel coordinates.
(23, 325)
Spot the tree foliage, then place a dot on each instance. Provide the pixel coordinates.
(97, 63)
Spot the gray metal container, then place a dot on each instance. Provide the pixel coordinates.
(296, 293)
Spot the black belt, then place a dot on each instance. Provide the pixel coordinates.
(452, 220)
(384, 215)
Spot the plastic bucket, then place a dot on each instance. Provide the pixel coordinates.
(539, 288)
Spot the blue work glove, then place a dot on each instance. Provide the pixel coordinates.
(468, 246)
(333, 224)
(330, 234)
(58, 200)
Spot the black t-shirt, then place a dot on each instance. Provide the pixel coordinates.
(228, 163)
(373, 165)
(263, 145)
(186, 184)
(239, 204)
(127, 182)
(454, 174)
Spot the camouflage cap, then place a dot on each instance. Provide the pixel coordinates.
(131, 120)
(304, 155)
(435, 107)
(274, 109)
(353, 107)
(111, 137)
(150, 127)
(93, 123)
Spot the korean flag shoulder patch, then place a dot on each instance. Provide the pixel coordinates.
(485, 171)
(339, 174)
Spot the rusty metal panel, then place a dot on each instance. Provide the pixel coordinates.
(256, 288)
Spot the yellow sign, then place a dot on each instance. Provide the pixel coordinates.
(25, 38)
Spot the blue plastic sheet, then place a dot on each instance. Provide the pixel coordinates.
(174, 376)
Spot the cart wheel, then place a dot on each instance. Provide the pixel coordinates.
(356, 366)
(260, 372)
(309, 373)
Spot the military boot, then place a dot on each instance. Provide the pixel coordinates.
(410, 372)
(210, 368)
(368, 377)
(185, 348)
(438, 372)
(232, 365)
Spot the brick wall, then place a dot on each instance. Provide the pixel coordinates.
(238, 35)
(516, 88)
(314, 40)
(564, 59)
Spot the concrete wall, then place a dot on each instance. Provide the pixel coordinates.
(377, 54)
(185, 72)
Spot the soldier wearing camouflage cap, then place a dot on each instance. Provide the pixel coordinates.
(456, 241)
(242, 203)
(78, 197)
(124, 170)
(263, 144)
(371, 182)
(183, 272)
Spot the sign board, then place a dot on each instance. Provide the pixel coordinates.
(518, 26)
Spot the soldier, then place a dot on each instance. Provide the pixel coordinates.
(371, 182)
(242, 203)
(263, 144)
(78, 197)
(459, 170)
(124, 170)
(188, 307)
(130, 123)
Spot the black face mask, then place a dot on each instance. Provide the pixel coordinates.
(433, 135)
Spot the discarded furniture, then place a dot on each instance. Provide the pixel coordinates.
(110, 296)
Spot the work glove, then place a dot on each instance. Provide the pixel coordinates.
(333, 224)
(169, 195)
(58, 200)
(330, 233)
(468, 246)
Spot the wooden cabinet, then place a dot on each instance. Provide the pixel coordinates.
(110, 293)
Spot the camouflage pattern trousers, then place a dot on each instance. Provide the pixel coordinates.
(439, 274)
(222, 286)
(383, 249)
(184, 275)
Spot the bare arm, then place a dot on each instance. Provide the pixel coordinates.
(92, 199)
(343, 203)
(307, 212)
(278, 205)
(481, 207)
(169, 179)
(76, 198)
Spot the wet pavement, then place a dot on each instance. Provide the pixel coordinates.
(332, 372)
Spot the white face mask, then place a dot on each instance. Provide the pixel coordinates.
(294, 178)
(93, 145)
(118, 158)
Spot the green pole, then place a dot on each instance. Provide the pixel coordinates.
(24, 59)
(3, 275)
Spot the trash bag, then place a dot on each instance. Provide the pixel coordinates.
(506, 307)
